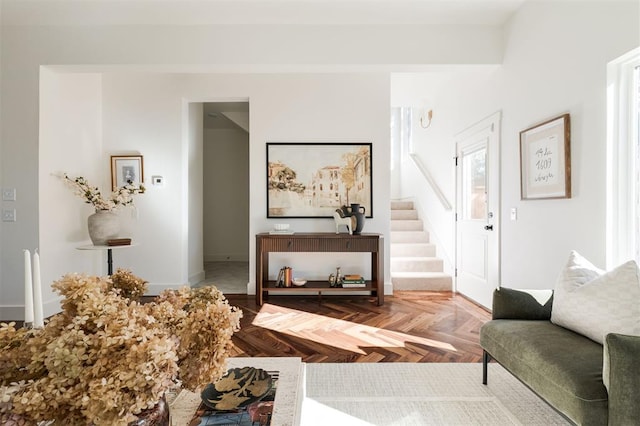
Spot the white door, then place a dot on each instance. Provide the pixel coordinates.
(478, 210)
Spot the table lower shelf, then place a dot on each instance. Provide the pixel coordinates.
(271, 287)
(319, 287)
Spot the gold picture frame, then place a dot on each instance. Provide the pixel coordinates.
(545, 160)
(126, 169)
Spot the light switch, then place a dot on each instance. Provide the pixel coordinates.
(157, 180)
(514, 213)
(8, 194)
(9, 215)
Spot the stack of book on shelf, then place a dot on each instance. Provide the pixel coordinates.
(119, 242)
(351, 281)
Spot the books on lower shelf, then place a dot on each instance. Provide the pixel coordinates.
(352, 277)
(353, 283)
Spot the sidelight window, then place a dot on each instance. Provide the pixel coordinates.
(623, 159)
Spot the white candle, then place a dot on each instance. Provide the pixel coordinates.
(38, 317)
(28, 289)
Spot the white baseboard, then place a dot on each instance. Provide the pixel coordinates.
(156, 289)
(196, 278)
(11, 313)
(226, 257)
(388, 289)
(16, 312)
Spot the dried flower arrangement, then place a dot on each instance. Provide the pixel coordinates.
(106, 357)
(121, 197)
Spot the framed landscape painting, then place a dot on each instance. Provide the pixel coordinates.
(312, 180)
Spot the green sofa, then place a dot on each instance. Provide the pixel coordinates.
(562, 367)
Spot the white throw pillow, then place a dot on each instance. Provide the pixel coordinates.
(594, 303)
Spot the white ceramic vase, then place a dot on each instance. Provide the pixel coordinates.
(103, 225)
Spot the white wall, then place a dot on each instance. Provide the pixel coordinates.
(547, 73)
(554, 62)
(71, 142)
(226, 196)
(196, 191)
(7, 205)
(145, 112)
(19, 169)
(284, 107)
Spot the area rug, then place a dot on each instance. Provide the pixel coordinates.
(408, 394)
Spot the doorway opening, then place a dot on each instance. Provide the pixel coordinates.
(225, 160)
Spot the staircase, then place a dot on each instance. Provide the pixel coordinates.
(414, 265)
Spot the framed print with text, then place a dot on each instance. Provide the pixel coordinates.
(545, 160)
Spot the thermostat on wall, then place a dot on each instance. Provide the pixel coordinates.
(157, 180)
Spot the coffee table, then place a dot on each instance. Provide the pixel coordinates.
(289, 394)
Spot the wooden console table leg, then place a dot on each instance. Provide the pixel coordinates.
(376, 270)
(262, 273)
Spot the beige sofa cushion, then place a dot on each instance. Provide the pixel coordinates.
(594, 303)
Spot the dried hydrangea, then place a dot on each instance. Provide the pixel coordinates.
(128, 285)
(7, 393)
(106, 358)
(13, 359)
(204, 322)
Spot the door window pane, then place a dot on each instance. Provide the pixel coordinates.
(474, 185)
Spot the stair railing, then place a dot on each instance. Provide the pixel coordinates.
(427, 175)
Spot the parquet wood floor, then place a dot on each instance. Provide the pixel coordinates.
(411, 326)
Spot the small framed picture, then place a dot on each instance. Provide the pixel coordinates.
(126, 169)
(545, 160)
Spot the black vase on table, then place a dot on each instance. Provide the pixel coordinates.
(357, 211)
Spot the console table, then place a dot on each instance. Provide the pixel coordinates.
(325, 242)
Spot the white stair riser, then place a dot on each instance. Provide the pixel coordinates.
(413, 250)
(427, 264)
(414, 265)
(406, 225)
(443, 283)
(404, 215)
(402, 205)
(409, 237)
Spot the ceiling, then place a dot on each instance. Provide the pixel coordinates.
(254, 12)
(215, 118)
